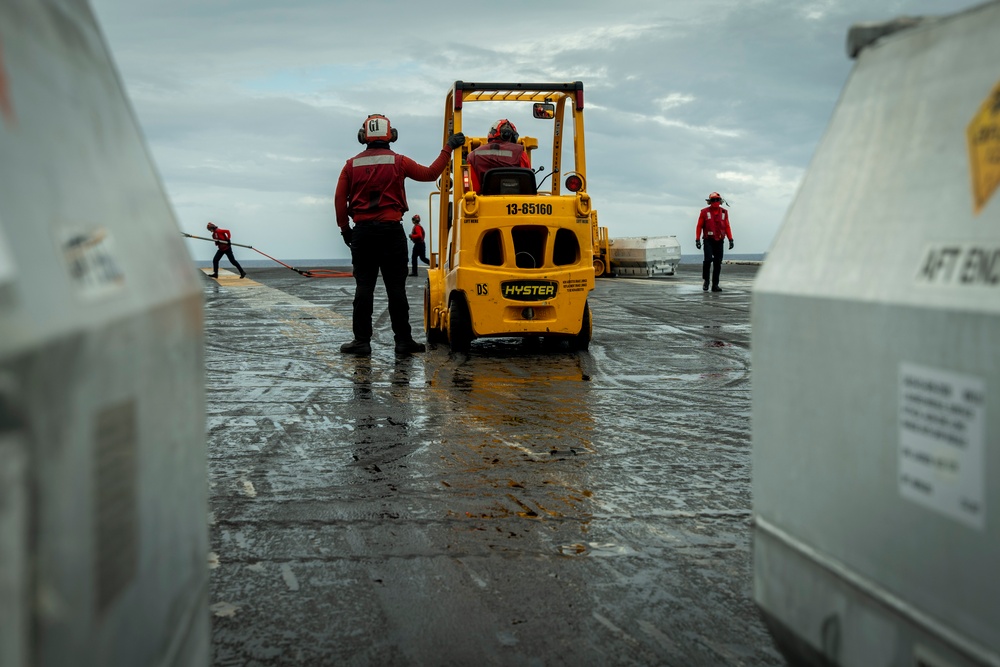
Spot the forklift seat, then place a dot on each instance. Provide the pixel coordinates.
(509, 181)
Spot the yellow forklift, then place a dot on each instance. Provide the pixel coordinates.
(602, 248)
(514, 259)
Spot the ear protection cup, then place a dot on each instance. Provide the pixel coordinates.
(377, 128)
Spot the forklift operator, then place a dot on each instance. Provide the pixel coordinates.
(501, 151)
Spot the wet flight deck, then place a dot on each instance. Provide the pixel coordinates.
(513, 506)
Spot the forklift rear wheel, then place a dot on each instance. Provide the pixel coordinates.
(459, 325)
(581, 341)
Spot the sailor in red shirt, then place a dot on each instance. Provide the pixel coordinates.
(371, 192)
(713, 226)
(502, 150)
(222, 238)
(419, 245)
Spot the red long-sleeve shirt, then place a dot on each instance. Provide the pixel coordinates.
(221, 236)
(371, 187)
(713, 223)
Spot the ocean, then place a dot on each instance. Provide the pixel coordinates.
(345, 261)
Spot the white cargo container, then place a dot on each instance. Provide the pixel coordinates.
(103, 491)
(876, 361)
(645, 255)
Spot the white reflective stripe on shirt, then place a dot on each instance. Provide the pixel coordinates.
(373, 159)
(499, 152)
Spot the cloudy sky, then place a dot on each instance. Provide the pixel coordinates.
(251, 107)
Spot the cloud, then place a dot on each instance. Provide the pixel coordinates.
(674, 100)
(250, 108)
(295, 158)
(316, 201)
(777, 180)
(817, 11)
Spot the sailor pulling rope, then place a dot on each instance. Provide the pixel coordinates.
(308, 273)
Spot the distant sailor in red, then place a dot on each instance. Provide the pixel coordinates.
(713, 227)
(222, 238)
(419, 244)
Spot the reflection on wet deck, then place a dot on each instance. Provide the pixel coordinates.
(514, 505)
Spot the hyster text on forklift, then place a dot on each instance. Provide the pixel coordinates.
(516, 257)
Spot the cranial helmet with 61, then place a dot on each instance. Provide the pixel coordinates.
(376, 128)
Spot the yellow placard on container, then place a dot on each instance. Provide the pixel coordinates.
(984, 149)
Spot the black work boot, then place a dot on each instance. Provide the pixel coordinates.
(409, 347)
(716, 288)
(361, 348)
(704, 286)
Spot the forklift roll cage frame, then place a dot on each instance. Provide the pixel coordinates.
(479, 283)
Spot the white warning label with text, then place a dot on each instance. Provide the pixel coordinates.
(942, 441)
(960, 265)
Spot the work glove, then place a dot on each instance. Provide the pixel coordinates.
(697, 244)
(730, 244)
(348, 235)
(456, 141)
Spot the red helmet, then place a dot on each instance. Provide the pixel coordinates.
(416, 218)
(714, 195)
(503, 130)
(376, 128)
(210, 225)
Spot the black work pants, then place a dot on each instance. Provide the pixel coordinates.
(419, 251)
(380, 247)
(713, 258)
(228, 252)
